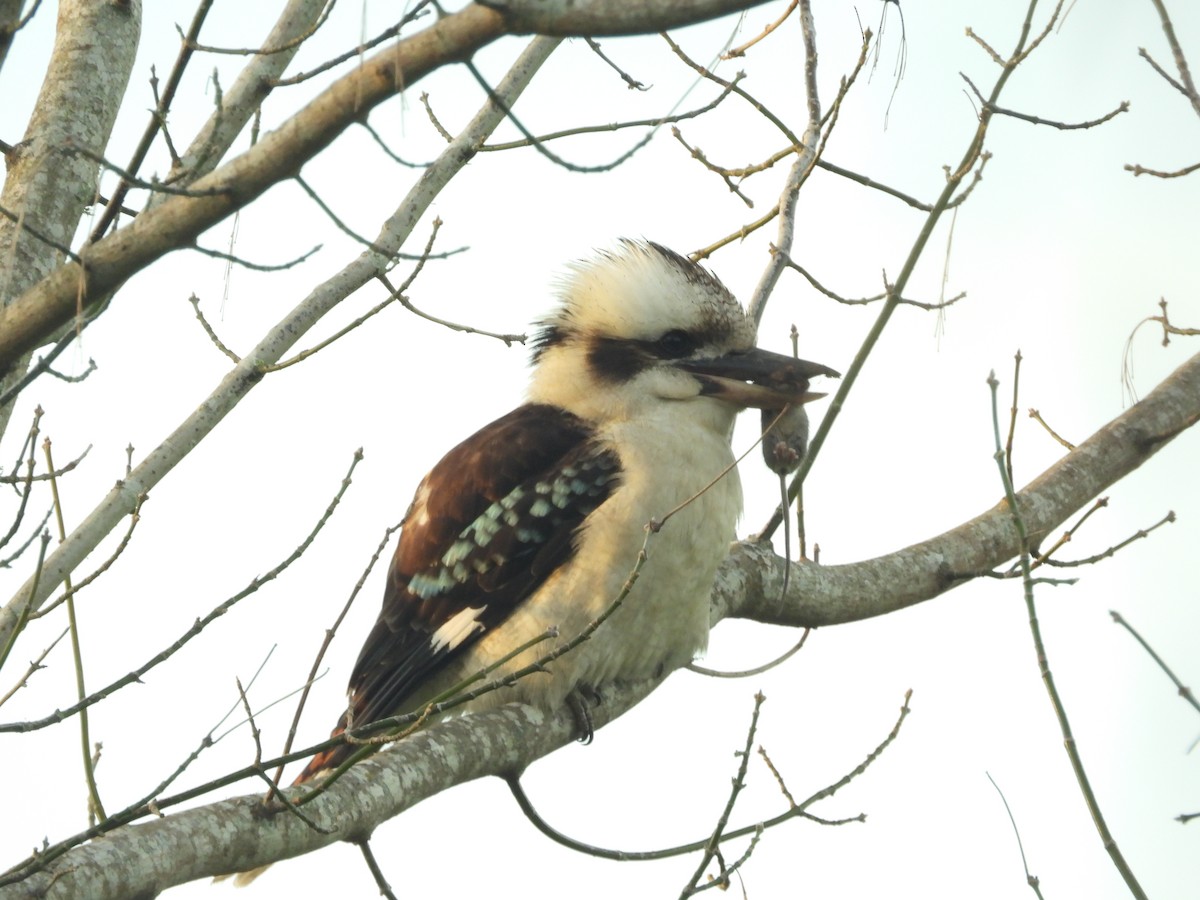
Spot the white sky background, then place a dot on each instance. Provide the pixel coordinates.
(1061, 253)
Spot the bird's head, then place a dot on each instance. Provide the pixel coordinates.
(643, 326)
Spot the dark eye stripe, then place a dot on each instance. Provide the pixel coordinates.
(615, 361)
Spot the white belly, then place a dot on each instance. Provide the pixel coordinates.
(663, 620)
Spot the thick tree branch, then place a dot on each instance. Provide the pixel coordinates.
(238, 104)
(750, 581)
(249, 90)
(142, 860)
(600, 18)
(177, 221)
(10, 17)
(244, 376)
(85, 81)
(233, 835)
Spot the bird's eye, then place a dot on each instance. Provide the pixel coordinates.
(675, 344)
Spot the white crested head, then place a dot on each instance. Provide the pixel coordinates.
(625, 318)
(641, 291)
(644, 332)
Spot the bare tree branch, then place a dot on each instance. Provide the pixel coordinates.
(50, 304)
(77, 106)
(158, 119)
(245, 97)
(227, 836)
(749, 582)
(598, 18)
(243, 377)
(178, 220)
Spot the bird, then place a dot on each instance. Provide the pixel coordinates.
(533, 524)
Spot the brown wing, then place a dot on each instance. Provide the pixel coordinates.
(489, 523)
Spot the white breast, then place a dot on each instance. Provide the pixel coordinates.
(663, 621)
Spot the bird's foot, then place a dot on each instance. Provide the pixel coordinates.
(581, 700)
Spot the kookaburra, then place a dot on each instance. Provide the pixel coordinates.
(537, 519)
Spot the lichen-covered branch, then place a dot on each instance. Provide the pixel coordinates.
(749, 583)
(226, 836)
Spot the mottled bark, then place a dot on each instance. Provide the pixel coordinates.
(47, 189)
(227, 836)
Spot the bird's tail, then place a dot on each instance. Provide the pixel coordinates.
(321, 764)
(327, 760)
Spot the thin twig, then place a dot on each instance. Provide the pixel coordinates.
(540, 148)
(337, 221)
(36, 664)
(73, 379)
(741, 49)
(23, 616)
(208, 329)
(257, 267)
(792, 138)
(1181, 63)
(1168, 329)
(26, 481)
(199, 625)
(633, 83)
(18, 219)
(394, 727)
(1066, 537)
(1106, 838)
(1136, 536)
(154, 186)
(1012, 419)
(739, 782)
(1158, 173)
(330, 633)
(1145, 54)
(21, 548)
(388, 150)
(798, 810)
(762, 751)
(158, 120)
(395, 294)
(255, 734)
(410, 16)
(832, 789)
(1030, 879)
(1034, 414)
(29, 478)
(697, 154)
(373, 311)
(376, 872)
(72, 591)
(42, 364)
(928, 306)
(757, 670)
(258, 767)
(95, 807)
(1184, 691)
(1122, 107)
(267, 51)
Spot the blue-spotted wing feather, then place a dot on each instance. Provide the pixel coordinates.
(489, 524)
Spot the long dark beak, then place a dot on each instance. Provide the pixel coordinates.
(757, 378)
